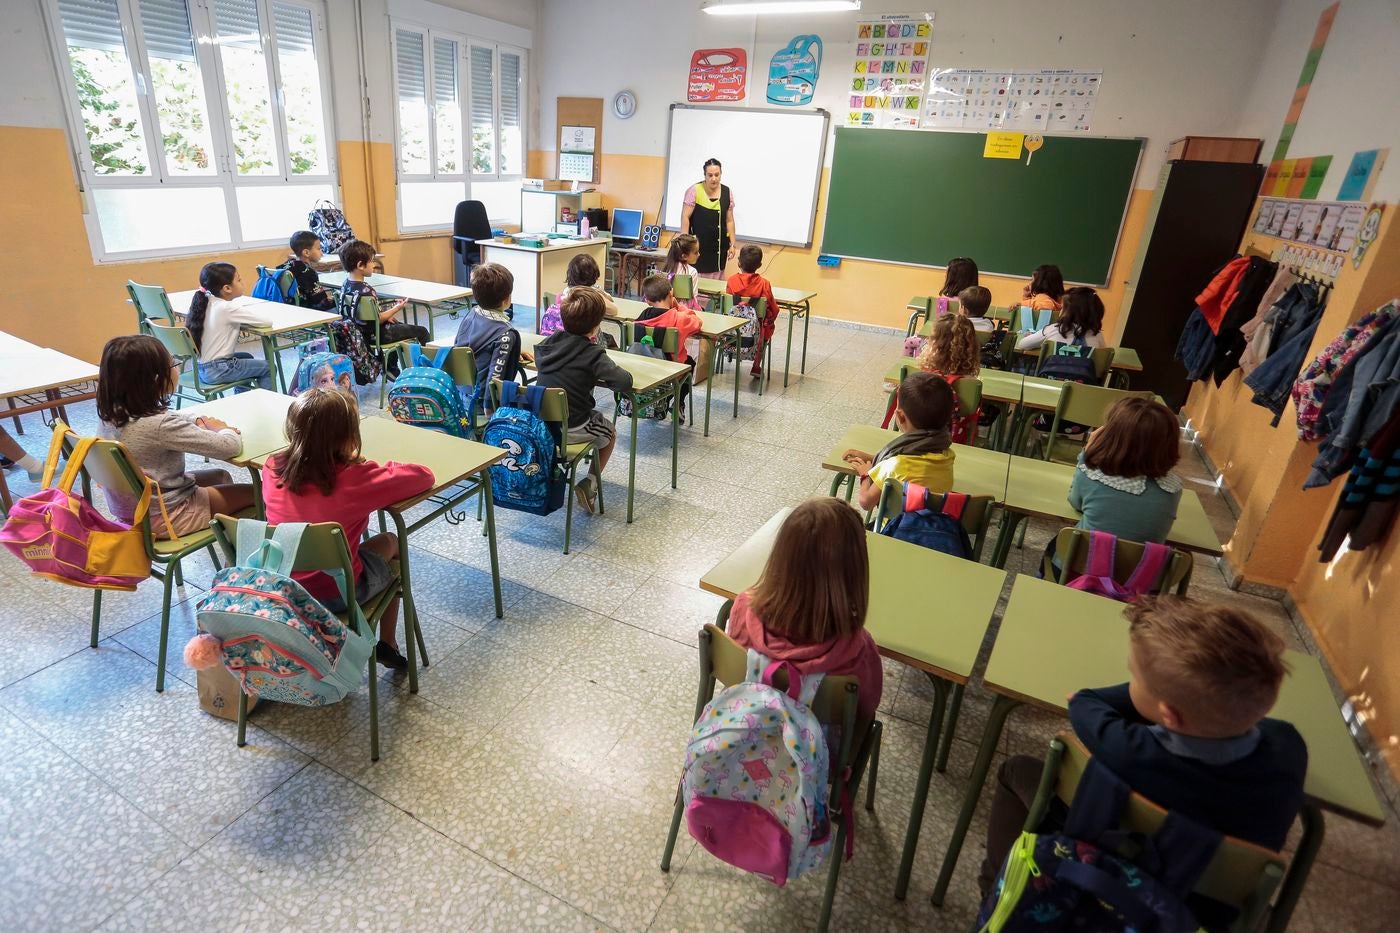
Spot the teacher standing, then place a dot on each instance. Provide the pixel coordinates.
(708, 214)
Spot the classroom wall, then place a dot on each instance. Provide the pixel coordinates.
(1140, 45)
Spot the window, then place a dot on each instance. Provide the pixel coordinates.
(183, 145)
(448, 86)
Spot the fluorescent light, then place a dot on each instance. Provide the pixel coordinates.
(760, 7)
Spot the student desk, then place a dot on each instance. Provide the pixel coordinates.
(942, 644)
(291, 326)
(35, 378)
(624, 256)
(540, 269)
(261, 418)
(720, 330)
(1054, 641)
(433, 298)
(919, 304)
(797, 302)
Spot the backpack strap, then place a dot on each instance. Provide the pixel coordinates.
(1180, 852)
(1102, 548)
(534, 399)
(915, 497)
(757, 663)
(1099, 801)
(1149, 570)
(509, 391)
(277, 553)
(954, 504)
(794, 687)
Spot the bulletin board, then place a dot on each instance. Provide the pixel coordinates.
(580, 111)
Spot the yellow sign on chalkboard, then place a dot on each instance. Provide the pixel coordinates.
(1003, 146)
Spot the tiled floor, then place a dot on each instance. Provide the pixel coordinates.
(529, 784)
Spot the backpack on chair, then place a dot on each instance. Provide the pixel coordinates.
(269, 286)
(1098, 569)
(932, 521)
(526, 479)
(655, 404)
(342, 372)
(1071, 362)
(348, 341)
(747, 333)
(425, 396)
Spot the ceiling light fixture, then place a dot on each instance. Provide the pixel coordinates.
(762, 7)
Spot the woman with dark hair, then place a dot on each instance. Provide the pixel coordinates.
(708, 215)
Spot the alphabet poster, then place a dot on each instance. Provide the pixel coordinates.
(890, 74)
(1046, 101)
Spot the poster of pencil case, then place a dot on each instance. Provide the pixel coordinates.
(792, 74)
(717, 75)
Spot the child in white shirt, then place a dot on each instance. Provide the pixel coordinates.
(217, 314)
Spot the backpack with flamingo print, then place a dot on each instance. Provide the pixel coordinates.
(755, 780)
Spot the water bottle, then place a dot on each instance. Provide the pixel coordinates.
(583, 229)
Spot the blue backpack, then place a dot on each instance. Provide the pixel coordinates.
(275, 638)
(425, 396)
(526, 479)
(1071, 362)
(930, 524)
(269, 287)
(313, 368)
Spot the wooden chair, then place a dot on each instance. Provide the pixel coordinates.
(1241, 875)
(180, 345)
(151, 304)
(727, 303)
(976, 517)
(1102, 357)
(323, 547)
(722, 659)
(1072, 550)
(366, 312)
(1082, 404)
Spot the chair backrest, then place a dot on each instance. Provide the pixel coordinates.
(666, 339)
(549, 298)
(470, 220)
(554, 409)
(176, 339)
(684, 287)
(367, 311)
(1102, 357)
(109, 465)
(931, 315)
(976, 516)
(461, 366)
(1241, 874)
(1072, 550)
(985, 336)
(322, 547)
(151, 303)
(1087, 404)
(728, 301)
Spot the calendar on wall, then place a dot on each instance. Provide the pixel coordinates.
(577, 150)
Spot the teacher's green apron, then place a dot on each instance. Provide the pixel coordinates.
(707, 223)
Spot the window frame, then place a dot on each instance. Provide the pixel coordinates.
(202, 18)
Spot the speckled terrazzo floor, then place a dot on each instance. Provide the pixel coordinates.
(528, 785)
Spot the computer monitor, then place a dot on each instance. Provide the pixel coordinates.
(626, 225)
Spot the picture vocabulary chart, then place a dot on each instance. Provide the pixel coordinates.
(890, 76)
(1045, 101)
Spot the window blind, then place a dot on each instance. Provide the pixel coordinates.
(444, 71)
(165, 24)
(294, 29)
(408, 46)
(237, 23)
(92, 24)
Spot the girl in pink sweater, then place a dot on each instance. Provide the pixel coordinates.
(809, 605)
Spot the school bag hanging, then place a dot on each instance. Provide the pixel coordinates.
(324, 370)
(931, 521)
(1076, 879)
(270, 633)
(526, 479)
(793, 70)
(1098, 569)
(61, 536)
(269, 285)
(425, 396)
(656, 404)
(1071, 362)
(349, 342)
(328, 222)
(755, 781)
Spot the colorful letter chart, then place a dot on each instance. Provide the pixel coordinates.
(890, 74)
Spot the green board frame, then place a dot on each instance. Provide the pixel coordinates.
(920, 198)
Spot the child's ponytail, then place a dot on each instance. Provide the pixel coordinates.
(212, 280)
(681, 244)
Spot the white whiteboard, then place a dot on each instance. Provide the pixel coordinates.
(772, 163)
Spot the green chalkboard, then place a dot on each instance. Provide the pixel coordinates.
(922, 197)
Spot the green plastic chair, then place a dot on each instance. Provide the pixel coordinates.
(367, 311)
(1242, 874)
(1083, 404)
(723, 660)
(1102, 357)
(760, 307)
(930, 316)
(668, 341)
(554, 411)
(1072, 549)
(323, 547)
(976, 517)
(110, 465)
(180, 345)
(920, 305)
(684, 287)
(151, 304)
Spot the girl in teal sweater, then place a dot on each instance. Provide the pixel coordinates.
(1125, 484)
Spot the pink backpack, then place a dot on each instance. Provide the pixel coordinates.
(1098, 569)
(62, 537)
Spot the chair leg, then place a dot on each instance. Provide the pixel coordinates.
(569, 506)
(165, 627)
(874, 773)
(675, 831)
(373, 712)
(214, 558)
(833, 872)
(242, 718)
(96, 614)
(179, 573)
(422, 645)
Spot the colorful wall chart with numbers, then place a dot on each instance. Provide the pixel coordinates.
(1045, 101)
(890, 74)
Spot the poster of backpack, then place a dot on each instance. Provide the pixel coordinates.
(793, 72)
(890, 75)
(717, 76)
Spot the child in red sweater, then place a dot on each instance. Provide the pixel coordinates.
(749, 284)
(321, 477)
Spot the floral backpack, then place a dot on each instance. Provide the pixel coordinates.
(755, 780)
(349, 342)
(277, 641)
(328, 222)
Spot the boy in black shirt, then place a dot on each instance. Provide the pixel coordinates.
(306, 249)
(356, 257)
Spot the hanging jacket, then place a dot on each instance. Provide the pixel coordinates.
(1220, 292)
(1196, 346)
(1274, 378)
(1362, 398)
(1258, 333)
(1315, 382)
(1229, 339)
(1366, 509)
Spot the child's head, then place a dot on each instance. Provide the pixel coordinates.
(306, 246)
(582, 311)
(216, 280)
(952, 348)
(583, 270)
(356, 257)
(323, 434)
(1139, 437)
(656, 289)
(1081, 314)
(684, 248)
(1047, 280)
(974, 301)
(750, 258)
(1202, 669)
(134, 380)
(492, 285)
(816, 584)
(961, 273)
(924, 402)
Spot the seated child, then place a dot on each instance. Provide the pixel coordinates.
(809, 605)
(306, 249)
(215, 321)
(960, 275)
(1045, 289)
(134, 383)
(321, 477)
(921, 454)
(356, 256)
(488, 330)
(582, 272)
(664, 311)
(1080, 322)
(952, 354)
(973, 303)
(680, 260)
(571, 360)
(1188, 731)
(749, 284)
